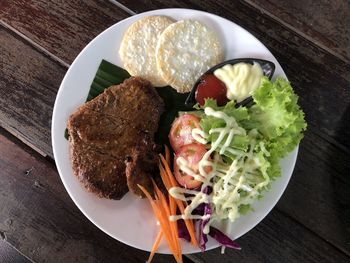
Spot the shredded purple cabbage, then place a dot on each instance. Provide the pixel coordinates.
(199, 210)
(205, 209)
(182, 230)
(208, 190)
(203, 238)
(222, 238)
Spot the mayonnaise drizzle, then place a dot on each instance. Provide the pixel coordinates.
(184, 166)
(199, 136)
(226, 180)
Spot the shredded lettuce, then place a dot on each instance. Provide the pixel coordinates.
(273, 127)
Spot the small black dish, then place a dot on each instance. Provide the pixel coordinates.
(268, 69)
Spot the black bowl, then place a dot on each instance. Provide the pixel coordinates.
(268, 69)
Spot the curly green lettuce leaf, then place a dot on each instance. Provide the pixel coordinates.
(273, 127)
(277, 115)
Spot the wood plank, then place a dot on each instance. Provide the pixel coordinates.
(39, 219)
(313, 84)
(326, 23)
(28, 85)
(30, 188)
(61, 27)
(318, 193)
(8, 254)
(278, 239)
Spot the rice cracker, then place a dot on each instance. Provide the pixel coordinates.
(186, 49)
(138, 48)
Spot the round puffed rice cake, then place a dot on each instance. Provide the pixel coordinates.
(138, 48)
(186, 49)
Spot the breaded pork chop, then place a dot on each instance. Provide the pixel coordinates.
(103, 132)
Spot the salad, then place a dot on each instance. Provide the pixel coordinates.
(227, 156)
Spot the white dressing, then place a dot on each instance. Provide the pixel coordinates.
(228, 181)
(241, 79)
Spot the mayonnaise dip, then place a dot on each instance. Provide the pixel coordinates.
(241, 79)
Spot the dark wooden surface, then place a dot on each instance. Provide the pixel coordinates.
(324, 22)
(61, 27)
(29, 83)
(38, 41)
(9, 254)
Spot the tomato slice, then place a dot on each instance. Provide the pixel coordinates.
(211, 87)
(192, 154)
(181, 131)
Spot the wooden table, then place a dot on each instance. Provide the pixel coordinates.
(38, 41)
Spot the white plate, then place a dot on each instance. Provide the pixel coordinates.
(130, 220)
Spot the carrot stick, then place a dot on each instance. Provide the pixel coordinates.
(159, 215)
(155, 246)
(165, 230)
(172, 204)
(164, 177)
(167, 184)
(180, 204)
(167, 169)
(166, 211)
(160, 209)
(172, 201)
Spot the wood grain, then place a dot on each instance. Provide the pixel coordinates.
(318, 194)
(324, 22)
(39, 219)
(323, 84)
(28, 85)
(61, 27)
(8, 254)
(278, 239)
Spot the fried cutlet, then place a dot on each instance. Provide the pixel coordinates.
(106, 131)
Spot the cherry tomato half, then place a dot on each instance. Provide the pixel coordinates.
(181, 131)
(211, 87)
(192, 153)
